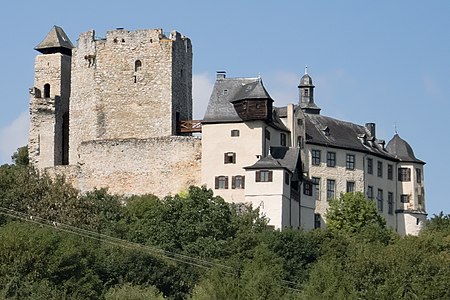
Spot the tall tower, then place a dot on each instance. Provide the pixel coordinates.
(306, 94)
(49, 101)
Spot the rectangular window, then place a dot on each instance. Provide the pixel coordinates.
(316, 181)
(350, 162)
(390, 203)
(404, 198)
(379, 169)
(370, 166)
(404, 174)
(283, 139)
(286, 178)
(229, 158)
(350, 186)
(315, 154)
(307, 189)
(221, 182)
(235, 132)
(331, 159)
(370, 192)
(263, 176)
(238, 182)
(418, 175)
(390, 172)
(380, 199)
(317, 221)
(331, 189)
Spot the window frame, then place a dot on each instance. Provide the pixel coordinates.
(404, 174)
(331, 159)
(380, 168)
(350, 185)
(221, 182)
(331, 193)
(264, 176)
(350, 161)
(380, 200)
(405, 198)
(229, 158)
(370, 192)
(418, 175)
(238, 179)
(316, 159)
(369, 166)
(316, 181)
(283, 139)
(307, 189)
(390, 172)
(390, 203)
(235, 133)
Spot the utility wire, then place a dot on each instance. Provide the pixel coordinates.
(181, 258)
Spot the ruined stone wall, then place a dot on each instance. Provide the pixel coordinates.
(159, 165)
(124, 86)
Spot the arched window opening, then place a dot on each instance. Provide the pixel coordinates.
(137, 65)
(46, 90)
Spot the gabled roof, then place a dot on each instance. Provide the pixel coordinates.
(329, 132)
(55, 41)
(279, 158)
(252, 90)
(220, 108)
(402, 150)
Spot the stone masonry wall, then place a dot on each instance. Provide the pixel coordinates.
(158, 166)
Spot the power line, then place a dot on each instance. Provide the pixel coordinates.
(156, 251)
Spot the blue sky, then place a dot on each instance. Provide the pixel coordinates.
(386, 62)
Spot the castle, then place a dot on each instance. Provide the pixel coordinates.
(116, 112)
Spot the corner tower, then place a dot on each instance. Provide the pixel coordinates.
(306, 94)
(49, 101)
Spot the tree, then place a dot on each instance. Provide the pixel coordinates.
(20, 157)
(353, 213)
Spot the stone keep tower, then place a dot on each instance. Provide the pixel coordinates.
(49, 101)
(134, 84)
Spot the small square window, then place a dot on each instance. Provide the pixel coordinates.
(229, 158)
(404, 174)
(235, 132)
(404, 198)
(307, 188)
(225, 92)
(238, 182)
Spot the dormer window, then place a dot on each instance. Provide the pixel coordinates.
(137, 65)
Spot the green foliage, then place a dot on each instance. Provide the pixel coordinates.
(133, 292)
(20, 157)
(438, 223)
(351, 213)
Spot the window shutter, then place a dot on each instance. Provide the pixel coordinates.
(226, 182)
(258, 176)
(270, 176)
(225, 158)
(233, 182)
(234, 158)
(243, 182)
(217, 182)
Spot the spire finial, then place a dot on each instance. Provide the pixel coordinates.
(395, 127)
(306, 70)
(259, 76)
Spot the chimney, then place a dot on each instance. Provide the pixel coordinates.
(221, 74)
(370, 127)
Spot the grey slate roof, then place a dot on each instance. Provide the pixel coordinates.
(55, 39)
(329, 132)
(279, 158)
(402, 150)
(228, 90)
(220, 108)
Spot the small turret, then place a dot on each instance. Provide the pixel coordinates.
(56, 41)
(306, 94)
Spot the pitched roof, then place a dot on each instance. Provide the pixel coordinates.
(55, 41)
(329, 132)
(402, 150)
(279, 158)
(252, 90)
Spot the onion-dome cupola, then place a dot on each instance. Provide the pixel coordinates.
(402, 150)
(56, 41)
(306, 94)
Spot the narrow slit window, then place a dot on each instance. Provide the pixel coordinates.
(137, 65)
(46, 90)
